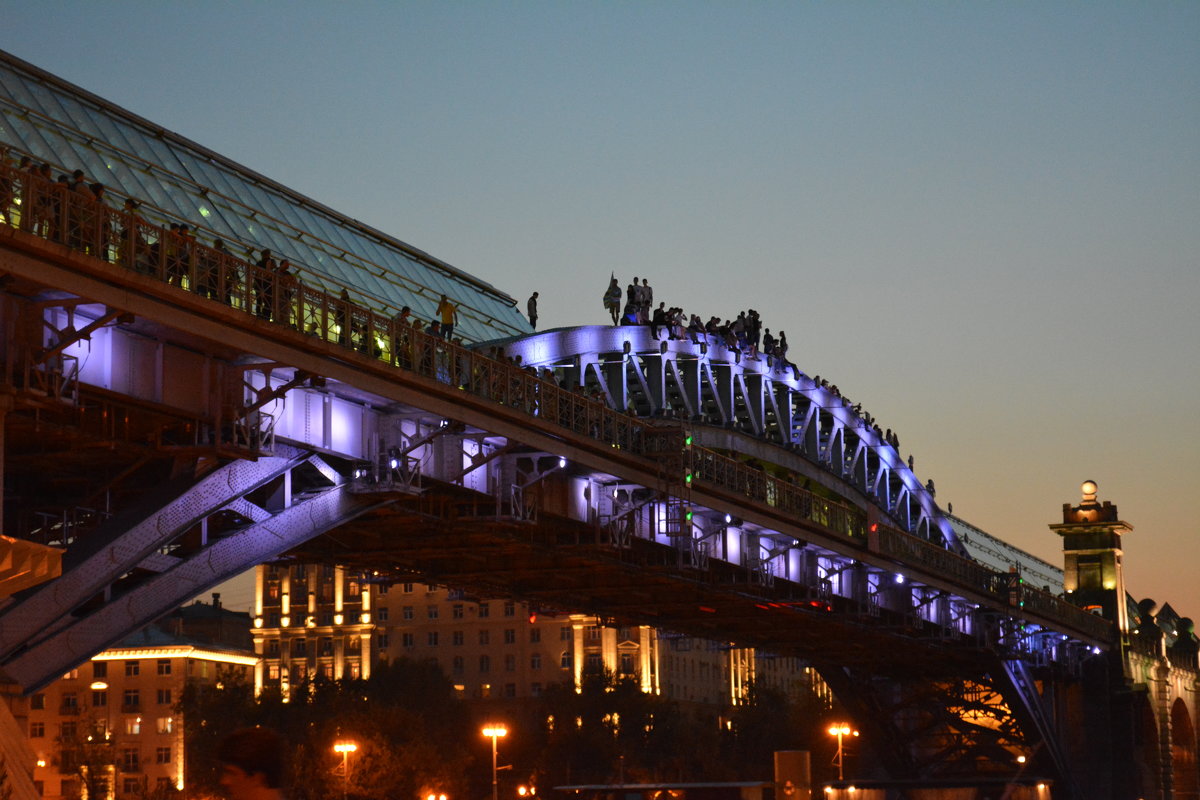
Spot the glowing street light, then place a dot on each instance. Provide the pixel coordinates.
(345, 748)
(494, 732)
(839, 730)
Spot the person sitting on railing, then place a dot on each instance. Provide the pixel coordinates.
(401, 328)
(658, 320)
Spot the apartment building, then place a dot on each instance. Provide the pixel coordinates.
(325, 620)
(110, 728)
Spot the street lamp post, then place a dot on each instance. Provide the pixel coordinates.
(494, 732)
(839, 730)
(345, 748)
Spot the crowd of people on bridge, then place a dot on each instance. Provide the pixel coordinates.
(74, 211)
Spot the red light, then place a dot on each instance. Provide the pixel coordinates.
(707, 610)
(532, 617)
(874, 527)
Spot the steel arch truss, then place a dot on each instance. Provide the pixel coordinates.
(719, 390)
(194, 535)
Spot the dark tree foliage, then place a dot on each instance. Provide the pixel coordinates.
(410, 729)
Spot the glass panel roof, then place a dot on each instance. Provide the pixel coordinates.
(178, 180)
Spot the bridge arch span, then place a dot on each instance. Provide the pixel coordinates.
(756, 406)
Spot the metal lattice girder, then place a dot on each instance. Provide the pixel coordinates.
(43, 662)
(97, 567)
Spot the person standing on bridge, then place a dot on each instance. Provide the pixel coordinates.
(531, 307)
(612, 300)
(449, 314)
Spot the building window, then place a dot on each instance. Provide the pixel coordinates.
(535, 661)
(594, 662)
(99, 669)
(99, 699)
(381, 614)
(163, 786)
(37, 730)
(299, 648)
(483, 610)
(130, 785)
(133, 726)
(384, 641)
(325, 646)
(627, 663)
(353, 643)
(353, 589)
(510, 690)
(133, 669)
(566, 660)
(510, 608)
(458, 665)
(408, 639)
(407, 588)
(535, 635)
(484, 637)
(431, 638)
(164, 666)
(593, 633)
(129, 761)
(37, 702)
(131, 699)
(485, 664)
(431, 612)
(510, 663)
(456, 611)
(71, 675)
(325, 618)
(535, 689)
(456, 638)
(510, 636)
(163, 697)
(273, 672)
(407, 613)
(381, 589)
(272, 648)
(69, 702)
(564, 633)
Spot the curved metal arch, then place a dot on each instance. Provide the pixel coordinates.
(706, 383)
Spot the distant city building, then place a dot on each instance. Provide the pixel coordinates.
(324, 620)
(111, 729)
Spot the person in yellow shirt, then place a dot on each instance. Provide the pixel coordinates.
(449, 314)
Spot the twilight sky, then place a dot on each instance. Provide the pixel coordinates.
(981, 220)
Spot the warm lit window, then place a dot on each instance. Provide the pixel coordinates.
(133, 726)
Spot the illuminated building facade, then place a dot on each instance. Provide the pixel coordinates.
(111, 729)
(324, 620)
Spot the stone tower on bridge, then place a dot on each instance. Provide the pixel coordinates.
(1154, 676)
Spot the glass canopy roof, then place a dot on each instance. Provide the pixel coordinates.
(177, 180)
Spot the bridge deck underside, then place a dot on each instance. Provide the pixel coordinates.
(461, 539)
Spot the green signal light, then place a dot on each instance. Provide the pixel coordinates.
(688, 441)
